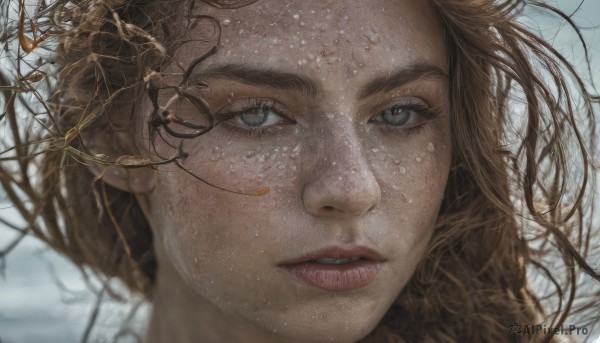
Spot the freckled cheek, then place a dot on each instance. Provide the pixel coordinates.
(249, 169)
(415, 176)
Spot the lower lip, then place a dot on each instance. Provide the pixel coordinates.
(335, 278)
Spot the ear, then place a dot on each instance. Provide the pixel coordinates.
(118, 146)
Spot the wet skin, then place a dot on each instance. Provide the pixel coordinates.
(355, 153)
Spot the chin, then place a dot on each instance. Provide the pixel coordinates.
(329, 327)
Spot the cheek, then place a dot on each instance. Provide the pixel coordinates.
(413, 179)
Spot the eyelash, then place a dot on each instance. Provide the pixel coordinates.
(429, 114)
(258, 104)
(425, 112)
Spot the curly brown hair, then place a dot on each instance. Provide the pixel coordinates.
(522, 118)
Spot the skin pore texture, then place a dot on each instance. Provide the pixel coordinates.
(340, 172)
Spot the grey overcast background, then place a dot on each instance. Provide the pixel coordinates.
(43, 297)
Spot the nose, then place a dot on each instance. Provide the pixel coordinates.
(341, 181)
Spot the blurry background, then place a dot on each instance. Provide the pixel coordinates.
(44, 298)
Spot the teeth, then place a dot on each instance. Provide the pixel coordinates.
(327, 260)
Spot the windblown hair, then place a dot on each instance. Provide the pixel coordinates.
(518, 203)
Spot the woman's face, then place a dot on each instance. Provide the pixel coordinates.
(341, 109)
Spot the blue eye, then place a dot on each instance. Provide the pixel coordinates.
(405, 117)
(260, 116)
(398, 116)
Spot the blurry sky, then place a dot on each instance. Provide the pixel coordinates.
(33, 306)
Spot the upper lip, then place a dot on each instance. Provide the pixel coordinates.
(339, 252)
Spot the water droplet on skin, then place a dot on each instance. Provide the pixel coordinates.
(280, 166)
(250, 154)
(329, 116)
(284, 149)
(256, 234)
(261, 159)
(430, 147)
(297, 149)
(372, 36)
(226, 21)
(402, 170)
(333, 163)
(396, 162)
(418, 158)
(296, 16)
(375, 150)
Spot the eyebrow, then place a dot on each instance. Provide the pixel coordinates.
(259, 77)
(288, 81)
(398, 78)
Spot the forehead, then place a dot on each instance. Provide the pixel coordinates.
(319, 37)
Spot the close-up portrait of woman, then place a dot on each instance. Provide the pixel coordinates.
(309, 171)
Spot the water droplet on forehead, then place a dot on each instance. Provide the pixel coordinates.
(402, 170)
(375, 150)
(226, 21)
(418, 158)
